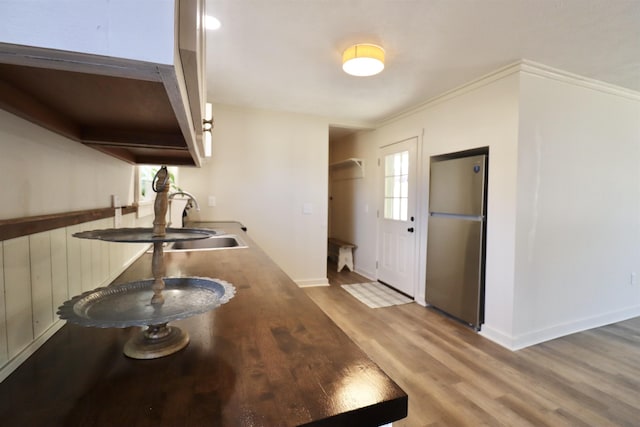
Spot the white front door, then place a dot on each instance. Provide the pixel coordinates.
(396, 232)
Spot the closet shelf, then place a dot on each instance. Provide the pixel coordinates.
(347, 164)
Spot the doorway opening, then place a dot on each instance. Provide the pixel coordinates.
(348, 196)
(381, 225)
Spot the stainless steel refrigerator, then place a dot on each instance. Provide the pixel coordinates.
(456, 237)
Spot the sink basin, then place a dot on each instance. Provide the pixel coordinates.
(216, 242)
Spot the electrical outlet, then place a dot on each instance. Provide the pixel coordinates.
(633, 280)
(212, 201)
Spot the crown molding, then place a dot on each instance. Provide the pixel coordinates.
(534, 68)
(520, 66)
(484, 80)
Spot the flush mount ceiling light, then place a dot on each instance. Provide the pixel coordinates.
(211, 22)
(363, 60)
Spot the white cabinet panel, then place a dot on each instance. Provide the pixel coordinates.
(17, 284)
(129, 249)
(96, 263)
(104, 272)
(132, 250)
(74, 261)
(86, 259)
(116, 259)
(99, 257)
(59, 274)
(41, 290)
(4, 354)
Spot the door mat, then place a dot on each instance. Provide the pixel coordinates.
(376, 295)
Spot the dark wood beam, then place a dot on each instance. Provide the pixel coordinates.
(17, 227)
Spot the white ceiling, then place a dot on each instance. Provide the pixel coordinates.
(285, 55)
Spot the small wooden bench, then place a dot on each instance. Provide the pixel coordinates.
(341, 251)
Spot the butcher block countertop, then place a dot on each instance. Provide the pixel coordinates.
(269, 357)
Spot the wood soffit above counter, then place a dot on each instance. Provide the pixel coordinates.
(131, 110)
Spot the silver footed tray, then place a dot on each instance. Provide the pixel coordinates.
(121, 306)
(144, 235)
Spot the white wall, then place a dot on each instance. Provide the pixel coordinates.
(481, 115)
(578, 232)
(265, 167)
(563, 227)
(44, 173)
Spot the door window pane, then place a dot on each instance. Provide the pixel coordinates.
(396, 186)
(388, 208)
(389, 185)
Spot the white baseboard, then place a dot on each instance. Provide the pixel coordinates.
(308, 283)
(420, 301)
(367, 274)
(34, 345)
(557, 331)
(497, 336)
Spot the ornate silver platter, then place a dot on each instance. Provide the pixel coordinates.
(144, 235)
(154, 302)
(130, 304)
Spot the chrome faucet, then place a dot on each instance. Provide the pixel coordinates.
(189, 195)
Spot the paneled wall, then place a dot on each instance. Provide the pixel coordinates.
(40, 271)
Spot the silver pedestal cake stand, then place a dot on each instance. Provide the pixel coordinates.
(151, 303)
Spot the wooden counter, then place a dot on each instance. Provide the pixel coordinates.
(270, 357)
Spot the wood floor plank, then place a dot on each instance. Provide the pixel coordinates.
(537, 416)
(476, 394)
(455, 377)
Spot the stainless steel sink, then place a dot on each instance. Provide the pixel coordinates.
(216, 242)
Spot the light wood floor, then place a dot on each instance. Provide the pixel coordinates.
(455, 377)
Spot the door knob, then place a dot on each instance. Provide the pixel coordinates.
(410, 229)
